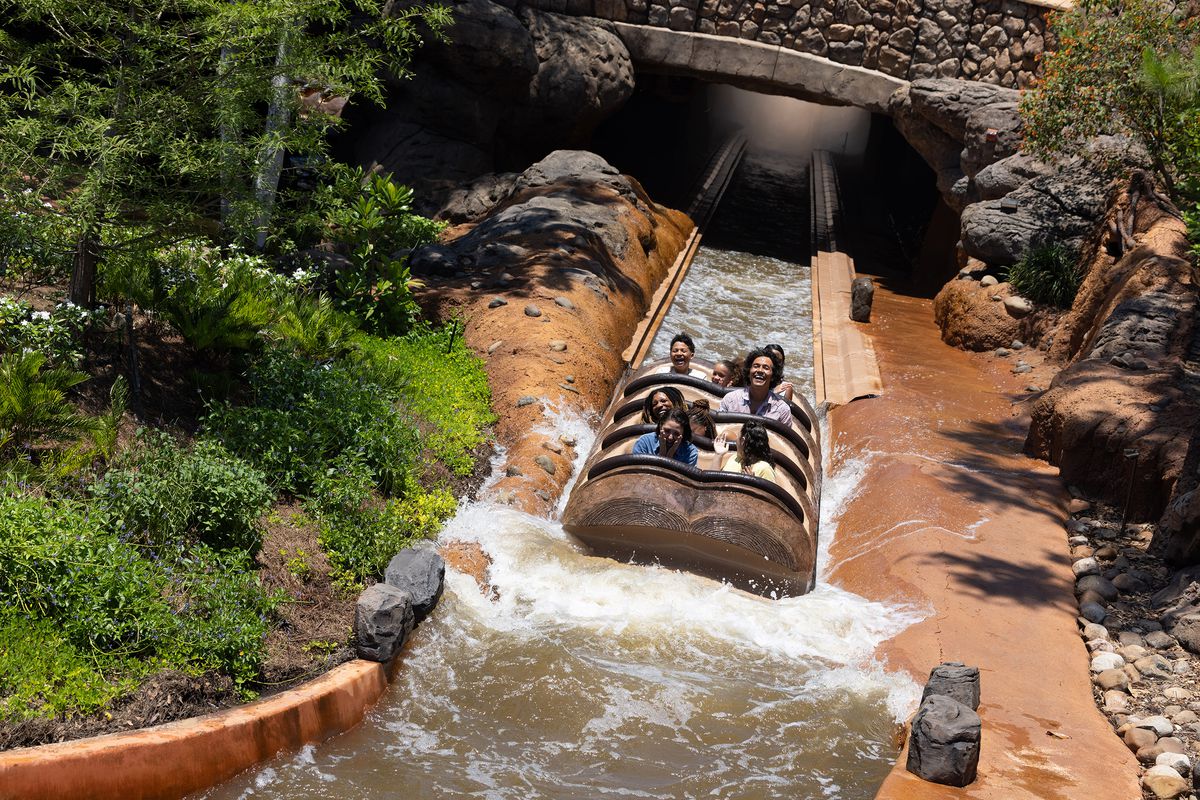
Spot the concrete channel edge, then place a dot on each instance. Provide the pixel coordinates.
(178, 758)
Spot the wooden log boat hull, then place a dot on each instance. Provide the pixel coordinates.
(755, 534)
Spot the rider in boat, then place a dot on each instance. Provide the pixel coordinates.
(660, 401)
(700, 416)
(753, 456)
(672, 439)
(683, 349)
(727, 373)
(786, 389)
(763, 373)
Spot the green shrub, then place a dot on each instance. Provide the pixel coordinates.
(1046, 274)
(440, 380)
(313, 327)
(43, 675)
(33, 401)
(220, 305)
(361, 540)
(65, 564)
(1090, 85)
(165, 494)
(377, 227)
(57, 334)
(306, 416)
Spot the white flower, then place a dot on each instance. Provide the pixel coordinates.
(43, 315)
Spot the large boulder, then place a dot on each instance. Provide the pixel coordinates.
(1006, 175)
(420, 573)
(383, 618)
(1061, 203)
(948, 122)
(944, 745)
(584, 74)
(971, 318)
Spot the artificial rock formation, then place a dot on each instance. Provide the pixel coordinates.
(510, 83)
(1119, 418)
(990, 41)
(383, 618)
(551, 282)
(419, 572)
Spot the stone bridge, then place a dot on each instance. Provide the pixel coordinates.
(852, 52)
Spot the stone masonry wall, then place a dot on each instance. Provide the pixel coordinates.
(995, 41)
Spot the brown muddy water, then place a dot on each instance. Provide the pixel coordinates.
(586, 677)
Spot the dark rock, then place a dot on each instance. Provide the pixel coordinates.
(944, 744)
(496, 302)
(526, 400)
(532, 310)
(1061, 207)
(546, 463)
(992, 133)
(476, 198)
(1006, 175)
(421, 573)
(862, 294)
(383, 618)
(956, 681)
(1186, 630)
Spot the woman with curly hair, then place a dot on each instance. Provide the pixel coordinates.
(753, 456)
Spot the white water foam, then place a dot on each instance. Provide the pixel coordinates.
(546, 581)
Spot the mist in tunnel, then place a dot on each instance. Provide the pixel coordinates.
(789, 126)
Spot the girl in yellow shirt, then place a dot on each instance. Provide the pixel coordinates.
(753, 456)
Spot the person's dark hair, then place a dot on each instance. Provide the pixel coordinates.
(756, 445)
(701, 413)
(776, 365)
(774, 348)
(735, 370)
(673, 394)
(680, 416)
(683, 337)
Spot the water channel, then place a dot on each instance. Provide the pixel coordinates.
(584, 677)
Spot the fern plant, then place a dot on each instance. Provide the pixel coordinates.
(33, 401)
(220, 306)
(313, 327)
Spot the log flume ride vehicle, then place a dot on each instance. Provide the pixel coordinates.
(756, 534)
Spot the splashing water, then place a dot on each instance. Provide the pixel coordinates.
(582, 676)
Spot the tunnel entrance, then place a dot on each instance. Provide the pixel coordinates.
(896, 221)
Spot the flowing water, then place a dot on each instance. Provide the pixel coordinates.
(585, 677)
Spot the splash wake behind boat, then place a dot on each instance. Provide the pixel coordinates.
(757, 534)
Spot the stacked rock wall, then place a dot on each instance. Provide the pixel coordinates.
(994, 41)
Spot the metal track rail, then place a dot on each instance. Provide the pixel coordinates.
(705, 200)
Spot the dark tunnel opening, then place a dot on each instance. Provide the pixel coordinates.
(897, 222)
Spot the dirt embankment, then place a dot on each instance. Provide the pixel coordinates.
(550, 284)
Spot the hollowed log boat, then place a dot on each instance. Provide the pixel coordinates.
(756, 534)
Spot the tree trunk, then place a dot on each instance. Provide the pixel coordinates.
(82, 291)
(270, 160)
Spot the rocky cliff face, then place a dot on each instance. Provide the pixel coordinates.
(510, 85)
(1119, 417)
(551, 283)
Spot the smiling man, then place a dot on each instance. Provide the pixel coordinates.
(763, 373)
(683, 349)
